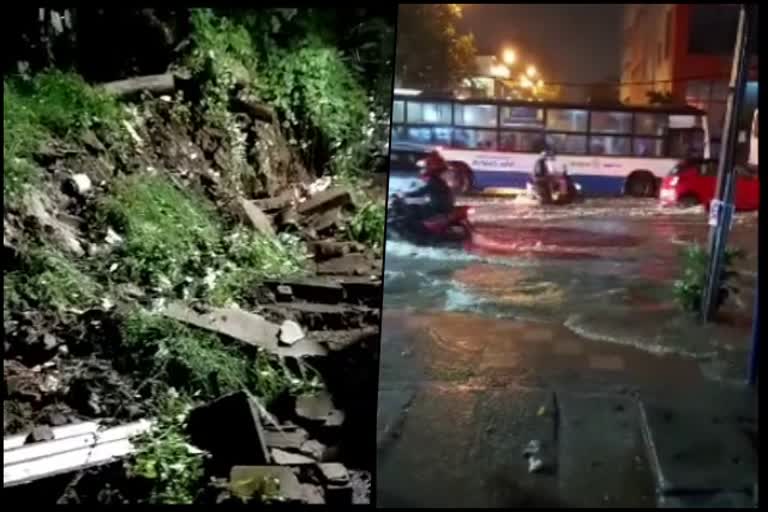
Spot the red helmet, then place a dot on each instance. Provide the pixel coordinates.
(433, 164)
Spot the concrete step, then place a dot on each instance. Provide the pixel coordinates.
(601, 452)
(702, 455)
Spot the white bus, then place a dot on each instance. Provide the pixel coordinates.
(494, 143)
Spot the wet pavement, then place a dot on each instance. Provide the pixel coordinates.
(575, 301)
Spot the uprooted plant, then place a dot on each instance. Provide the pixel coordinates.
(690, 288)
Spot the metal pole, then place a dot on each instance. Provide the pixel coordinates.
(719, 232)
(753, 355)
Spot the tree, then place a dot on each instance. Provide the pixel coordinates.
(431, 52)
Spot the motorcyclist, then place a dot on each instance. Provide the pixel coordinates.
(542, 175)
(439, 195)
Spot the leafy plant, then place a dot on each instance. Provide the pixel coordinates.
(368, 224)
(200, 363)
(167, 230)
(50, 105)
(48, 279)
(163, 456)
(689, 290)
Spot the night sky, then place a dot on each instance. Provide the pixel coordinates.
(568, 43)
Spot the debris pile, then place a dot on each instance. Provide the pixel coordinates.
(67, 365)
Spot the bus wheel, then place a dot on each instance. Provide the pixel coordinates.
(459, 177)
(641, 184)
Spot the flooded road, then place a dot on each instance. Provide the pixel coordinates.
(574, 299)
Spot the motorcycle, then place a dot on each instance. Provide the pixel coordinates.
(554, 189)
(406, 221)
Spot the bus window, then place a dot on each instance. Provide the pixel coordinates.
(611, 122)
(567, 120)
(567, 143)
(651, 124)
(686, 121)
(686, 143)
(429, 113)
(398, 112)
(522, 117)
(609, 145)
(650, 147)
(523, 142)
(474, 139)
(475, 115)
(435, 135)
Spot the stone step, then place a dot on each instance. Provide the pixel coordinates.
(702, 454)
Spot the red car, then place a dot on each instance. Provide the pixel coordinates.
(694, 182)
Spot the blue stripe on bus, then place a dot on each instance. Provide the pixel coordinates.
(591, 185)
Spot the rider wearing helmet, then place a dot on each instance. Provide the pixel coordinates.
(435, 190)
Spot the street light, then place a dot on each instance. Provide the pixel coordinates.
(509, 56)
(531, 71)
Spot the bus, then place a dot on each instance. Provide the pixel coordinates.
(609, 150)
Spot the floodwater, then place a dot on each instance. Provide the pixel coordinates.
(575, 298)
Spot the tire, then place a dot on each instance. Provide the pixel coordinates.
(641, 185)
(688, 201)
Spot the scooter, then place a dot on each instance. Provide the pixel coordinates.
(554, 189)
(404, 221)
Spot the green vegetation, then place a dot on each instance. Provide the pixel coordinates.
(690, 288)
(200, 363)
(368, 224)
(48, 280)
(164, 459)
(52, 104)
(175, 240)
(168, 232)
(281, 60)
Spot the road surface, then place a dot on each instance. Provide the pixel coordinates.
(484, 351)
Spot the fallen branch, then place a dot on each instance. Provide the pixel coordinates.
(156, 84)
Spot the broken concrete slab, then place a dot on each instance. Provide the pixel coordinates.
(279, 202)
(257, 218)
(351, 264)
(334, 472)
(250, 481)
(693, 451)
(286, 439)
(285, 458)
(230, 429)
(325, 200)
(314, 449)
(324, 221)
(77, 185)
(246, 327)
(327, 316)
(318, 407)
(327, 249)
(290, 332)
(312, 289)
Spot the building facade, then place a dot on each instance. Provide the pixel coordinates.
(684, 53)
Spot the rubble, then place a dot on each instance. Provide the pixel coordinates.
(290, 332)
(271, 481)
(257, 218)
(285, 458)
(78, 185)
(318, 407)
(230, 428)
(324, 201)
